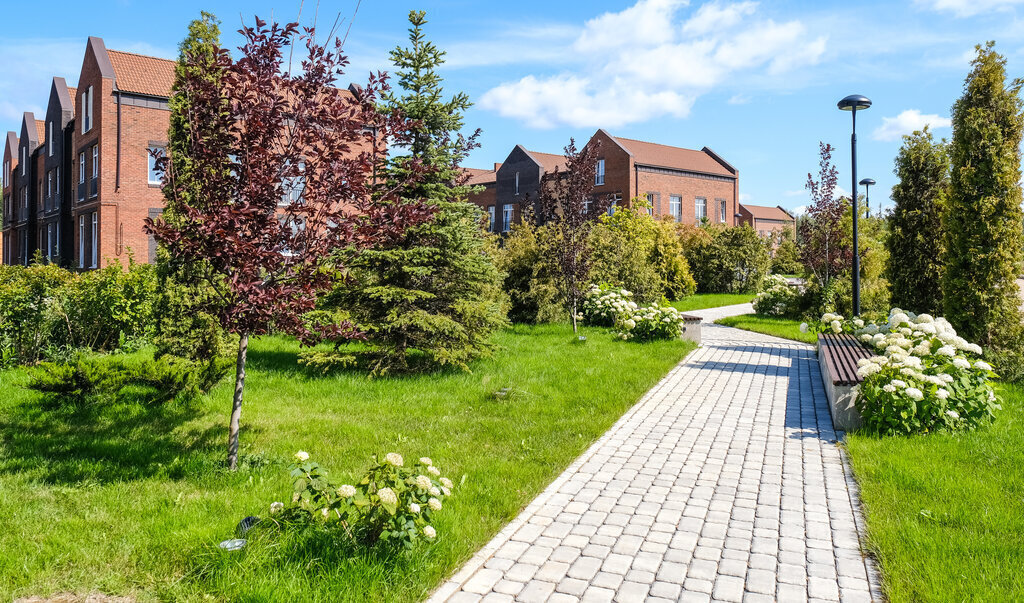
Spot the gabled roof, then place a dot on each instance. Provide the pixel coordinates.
(142, 74)
(661, 155)
(72, 92)
(12, 147)
(480, 176)
(767, 213)
(548, 161)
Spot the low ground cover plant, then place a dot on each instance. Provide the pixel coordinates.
(393, 503)
(925, 377)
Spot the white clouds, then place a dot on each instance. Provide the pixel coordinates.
(745, 198)
(646, 61)
(29, 67)
(969, 8)
(739, 99)
(893, 128)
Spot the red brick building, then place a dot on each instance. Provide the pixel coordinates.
(767, 221)
(686, 184)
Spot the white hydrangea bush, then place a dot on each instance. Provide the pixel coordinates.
(647, 323)
(925, 377)
(603, 304)
(393, 503)
(777, 298)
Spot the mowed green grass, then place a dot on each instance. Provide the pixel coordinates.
(701, 301)
(945, 512)
(130, 500)
(786, 328)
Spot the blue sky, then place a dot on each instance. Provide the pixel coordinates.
(756, 82)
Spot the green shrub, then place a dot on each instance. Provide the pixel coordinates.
(786, 255)
(393, 504)
(47, 311)
(647, 323)
(526, 258)
(634, 251)
(777, 298)
(727, 259)
(92, 378)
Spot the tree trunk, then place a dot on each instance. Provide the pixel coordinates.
(236, 404)
(574, 316)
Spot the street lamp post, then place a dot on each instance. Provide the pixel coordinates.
(868, 183)
(853, 103)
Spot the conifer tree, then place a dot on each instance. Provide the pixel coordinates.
(183, 326)
(915, 247)
(982, 221)
(435, 290)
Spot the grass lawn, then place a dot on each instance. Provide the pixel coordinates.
(130, 500)
(786, 328)
(945, 512)
(700, 301)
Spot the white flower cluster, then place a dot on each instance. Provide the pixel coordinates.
(601, 306)
(776, 297)
(921, 355)
(651, 322)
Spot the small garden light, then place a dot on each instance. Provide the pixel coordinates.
(868, 183)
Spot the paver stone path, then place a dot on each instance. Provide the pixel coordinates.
(724, 482)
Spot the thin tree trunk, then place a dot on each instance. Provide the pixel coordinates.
(236, 405)
(574, 316)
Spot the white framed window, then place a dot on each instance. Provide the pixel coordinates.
(611, 206)
(490, 217)
(586, 206)
(652, 199)
(675, 207)
(517, 183)
(56, 240)
(599, 173)
(506, 216)
(49, 183)
(81, 241)
(154, 175)
(49, 241)
(87, 110)
(24, 162)
(81, 169)
(24, 247)
(95, 161)
(56, 187)
(7, 172)
(700, 209)
(722, 209)
(95, 240)
(49, 138)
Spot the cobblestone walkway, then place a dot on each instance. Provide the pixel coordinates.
(723, 483)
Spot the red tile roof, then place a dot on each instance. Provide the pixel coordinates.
(767, 213)
(480, 176)
(660, 155)
(549, 161)
(141, 74)
(41, 132)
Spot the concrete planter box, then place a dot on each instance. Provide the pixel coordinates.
(691, 328)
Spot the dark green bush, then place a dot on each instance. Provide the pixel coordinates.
(727, 259)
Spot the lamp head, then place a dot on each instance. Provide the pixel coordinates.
(854, 102)
(867, 182)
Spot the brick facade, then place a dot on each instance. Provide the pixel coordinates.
(767, 221)
(632, 169)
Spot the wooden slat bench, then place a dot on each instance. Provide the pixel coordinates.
(838, 355)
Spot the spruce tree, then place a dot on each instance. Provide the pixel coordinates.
(982, 221)
(915, 247)
(436, 290)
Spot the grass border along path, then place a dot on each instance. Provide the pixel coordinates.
(703, 301)
(785, 328)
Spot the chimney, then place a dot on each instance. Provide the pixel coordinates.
(496, 166)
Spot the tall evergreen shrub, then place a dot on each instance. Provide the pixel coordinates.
(915, 226)
(983, 219)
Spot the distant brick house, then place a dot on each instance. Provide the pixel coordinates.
(767, 221)
(685, 184)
